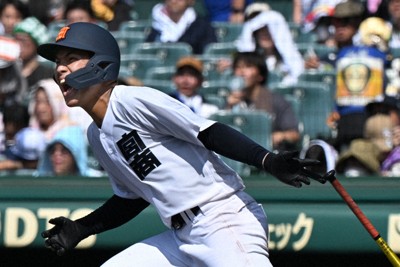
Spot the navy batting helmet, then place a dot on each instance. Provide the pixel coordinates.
(102, 66)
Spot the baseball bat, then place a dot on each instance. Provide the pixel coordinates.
(390, 255)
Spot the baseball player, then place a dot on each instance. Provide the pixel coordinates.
(157, 152)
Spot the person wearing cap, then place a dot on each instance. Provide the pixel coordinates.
(157, 151)
(25, 153)
(365, 155)
(188, 79)
(361, 69)
(255, 95)
(177, 21)
(30, 33)
(346, 20)
(267, 32)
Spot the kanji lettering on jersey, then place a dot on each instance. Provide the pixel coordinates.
(140, 158)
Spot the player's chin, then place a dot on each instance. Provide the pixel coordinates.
(72, 102)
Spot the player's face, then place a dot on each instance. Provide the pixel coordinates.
(67, 62)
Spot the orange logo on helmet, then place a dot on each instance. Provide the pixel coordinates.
(62, 33)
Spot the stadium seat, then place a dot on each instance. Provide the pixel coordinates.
(127, 41)
(218, 89)
(137, 65)
(161, 85)
(160, 73)
(257, 125)
(227, 31)
(319, 49)
(133, 26)
(316, 103)
(328, 77)
(299, 36)
(167, 54)
(226, 49)
(210, 68)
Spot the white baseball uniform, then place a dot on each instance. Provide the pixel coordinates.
(148, 145)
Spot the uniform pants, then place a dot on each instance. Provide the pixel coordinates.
(229, 232)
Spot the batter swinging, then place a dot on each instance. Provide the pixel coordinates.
(157, 151)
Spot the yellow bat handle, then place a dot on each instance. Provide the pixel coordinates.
(392, 257)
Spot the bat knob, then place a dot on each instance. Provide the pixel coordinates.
(329, 176)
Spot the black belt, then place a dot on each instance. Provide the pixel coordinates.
(177, 220)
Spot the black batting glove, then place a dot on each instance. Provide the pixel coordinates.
(291, 170)
(65, 235)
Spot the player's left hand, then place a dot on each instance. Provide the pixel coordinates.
(65, 235)
(291, 170)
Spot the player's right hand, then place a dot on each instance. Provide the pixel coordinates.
(289, 169)
(65, 235)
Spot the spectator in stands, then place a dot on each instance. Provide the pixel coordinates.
(23, 156)
(318, 22)
(47, 109)
(360, 79)
(254, 95)
(177, 21)
(12, 84)
(66, 154)
(30, 33)
(365, 155)
(390, 106)
(15, 118)
(394, 13)
(226, 10)
(79, 11)
(346, 21)
(112, 12)
(11, 13)
(188, 80)
(267, 32)
(302, 8)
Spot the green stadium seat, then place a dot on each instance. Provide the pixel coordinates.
(328, 77)
(160, 73)
(137, 65)
(257, 125)
(161, 85)
(218, 89)
(127, 41)
(226, 31)
(134, 26)
(167, 54)
(226, 49)
(316, 103)
(319, 49)
(210, 68)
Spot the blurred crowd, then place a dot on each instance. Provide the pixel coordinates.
(218, 57)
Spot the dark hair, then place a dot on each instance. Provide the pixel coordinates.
(252, 59)
(19, 5)
(79, 4)
(16, 112)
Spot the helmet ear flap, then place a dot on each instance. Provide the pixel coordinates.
(98, 69)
